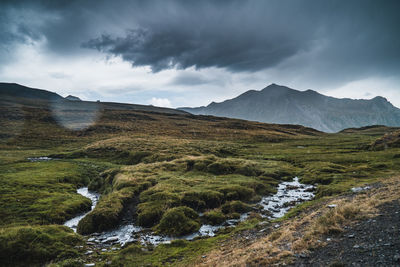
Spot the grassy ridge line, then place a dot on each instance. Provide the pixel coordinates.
(39, 127)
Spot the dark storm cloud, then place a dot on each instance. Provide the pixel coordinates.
(232, 35)
(348, 37)
(336, 40)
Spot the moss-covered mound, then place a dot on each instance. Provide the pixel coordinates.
(200, 200)
(36, 245)
(179, 221)
(107, 212)
(237, 192)
(214, 217)
(235, 207)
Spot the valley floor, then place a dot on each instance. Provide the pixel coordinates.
(170, 173)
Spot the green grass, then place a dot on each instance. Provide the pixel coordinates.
(42, 192)
(33, 245)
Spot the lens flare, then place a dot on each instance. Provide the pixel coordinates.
(75, 115)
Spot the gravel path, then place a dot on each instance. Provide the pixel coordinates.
(372, 242)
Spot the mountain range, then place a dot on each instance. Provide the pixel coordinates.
(283, 105)
(273, 104)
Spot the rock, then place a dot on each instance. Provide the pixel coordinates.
(332, 206)
(277, 226)
(89, 264)
(396, 257)
(359, 189)
(110, 239)
(89, 252)
(263, 223)
(91, 239)
(204, 256)
(104, 250)
(328, 239)
(356, 246)
(351, 236)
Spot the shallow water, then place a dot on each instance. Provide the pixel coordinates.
(39, 159)
(94, 197)
(288, 195)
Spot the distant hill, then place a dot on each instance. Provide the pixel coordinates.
(280, 104)
(12, 93)
(20, 91)
(73, 98)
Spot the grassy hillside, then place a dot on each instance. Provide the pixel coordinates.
(169, 164)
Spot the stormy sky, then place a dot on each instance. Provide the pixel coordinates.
(189, 53)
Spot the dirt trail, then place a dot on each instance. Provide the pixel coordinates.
(371, 242)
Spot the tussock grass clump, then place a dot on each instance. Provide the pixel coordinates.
(230, 166)
(200, 200)
(149, 214)
(322, 172)
(214, 217)
(110, 153)
(28, 245)
(237, 192)
(330, 222)
(221, 166)
(103, 182)
(105, 215)
(235, 206)
(153, 205)
(179, 221)
(108, 211)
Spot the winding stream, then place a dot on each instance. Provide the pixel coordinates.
(288, 195)
(94, 197)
